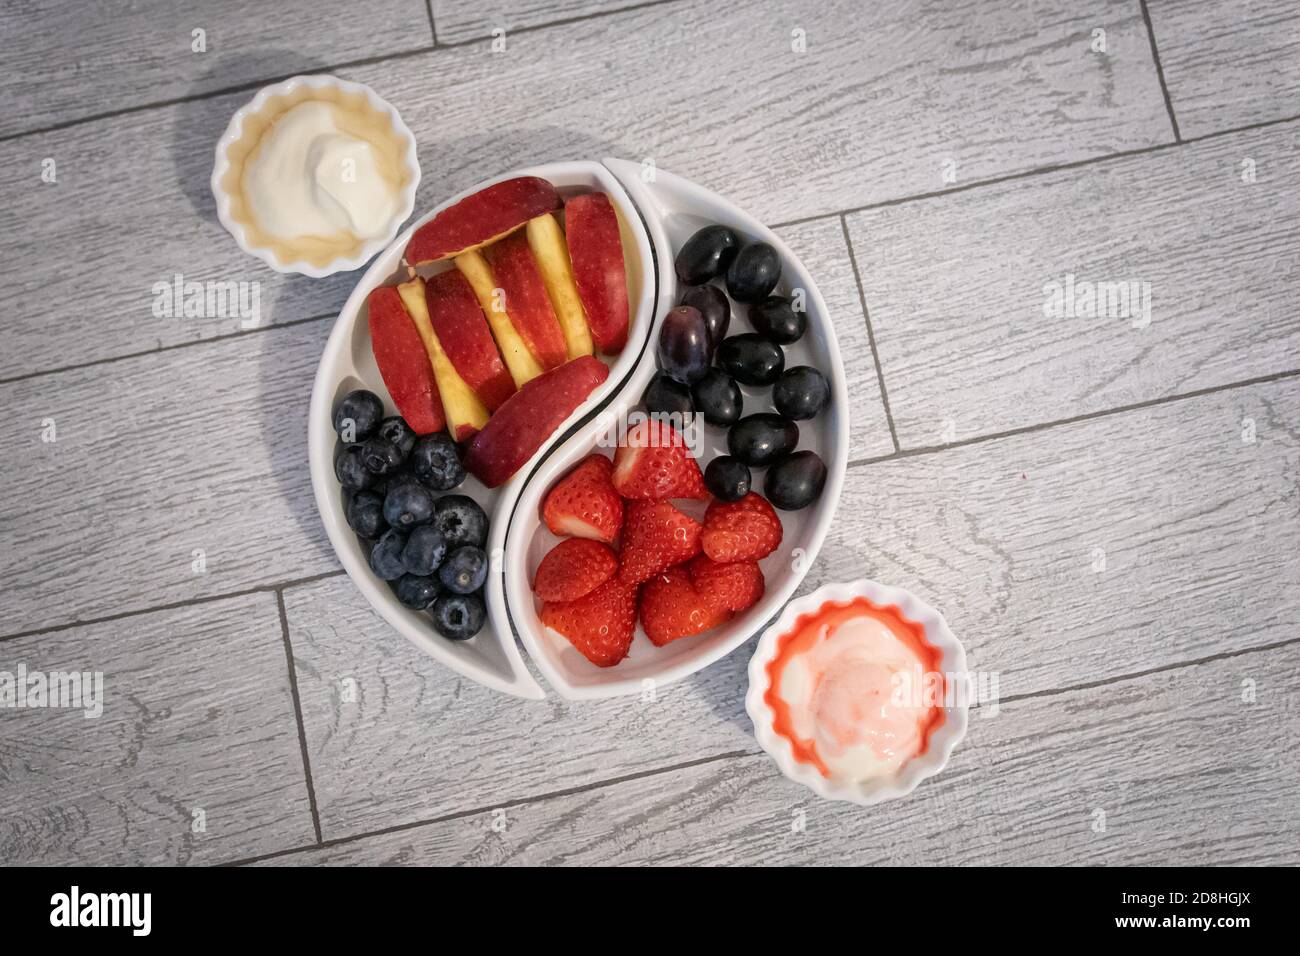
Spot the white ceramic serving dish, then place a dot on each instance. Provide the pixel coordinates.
(942, 740)
(491, 658)
(675, 208)
(235, 130)
(658, 212)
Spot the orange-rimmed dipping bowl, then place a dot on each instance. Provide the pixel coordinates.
(920, 633)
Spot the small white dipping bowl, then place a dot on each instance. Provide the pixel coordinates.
(235, 131)
(942, 740)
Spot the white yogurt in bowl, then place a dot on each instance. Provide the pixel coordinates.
(309, 177)
(853, 691)
(315, 175)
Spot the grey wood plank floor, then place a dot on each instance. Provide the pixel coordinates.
(1105, 509)
(1229, 64)
(66, 60)
(466, 22)
(590, 88)
(1076, 782)
(1207, 248)
(195, 757)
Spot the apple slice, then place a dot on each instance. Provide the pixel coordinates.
(403, 362)
(531, 416)
(494, 302)
(464, 335)
(547, 242)
(465, 413)
(596, 251)
(526, 299)
(489, 214)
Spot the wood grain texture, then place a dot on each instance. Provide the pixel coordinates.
(157, 457)
(1087, 551)
(463, 22)
(1199, 532)
(65, 60)
(881, 100)
(821, 246)
(395, 738)
(1169, 768)
(956, 287)
(1228, 64)
(120, 220)
(197, 715)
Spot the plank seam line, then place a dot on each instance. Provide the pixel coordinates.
(212, 94)
(289, 323)
(1040, 171)
(297, 712)
(718, 758)
(327, 68)
(567, 21)
(901, 200)
(505, 805)
(1160, 72)
(174, 605)
(1076, 419)
(871, 335)
(859, 462)
(1163, 668)
(433, 31)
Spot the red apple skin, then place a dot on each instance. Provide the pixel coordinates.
(522, 424)
(404, 363)
(463, 331)
(596, 250)
(515, 271)
(491, 213)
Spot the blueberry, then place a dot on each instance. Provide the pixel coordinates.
(365, 513)
(458, 617)
(718, 398)
(795, 481)
(358, 415)
(416, 591)
(465, 570)
(408, 504)
(667, 396)
(424, 550)
(395, 429)
(776, 319)
(706, 254)
(381, 483)
(727, 478)
(751, 359)
(350, 471)
(380, 456)
(761, 439)
(754, 273)
(713, 305)
(386, 555)
(436, 462)
(461, 521)
(801, 392)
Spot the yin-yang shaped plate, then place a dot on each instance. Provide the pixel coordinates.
(657, 212)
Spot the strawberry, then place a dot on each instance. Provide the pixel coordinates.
(742, 530)
(672, 607)
(574, 567)
(584, 503)
(599, 624)
(736, 586)
(655, 537)
(654, 462)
